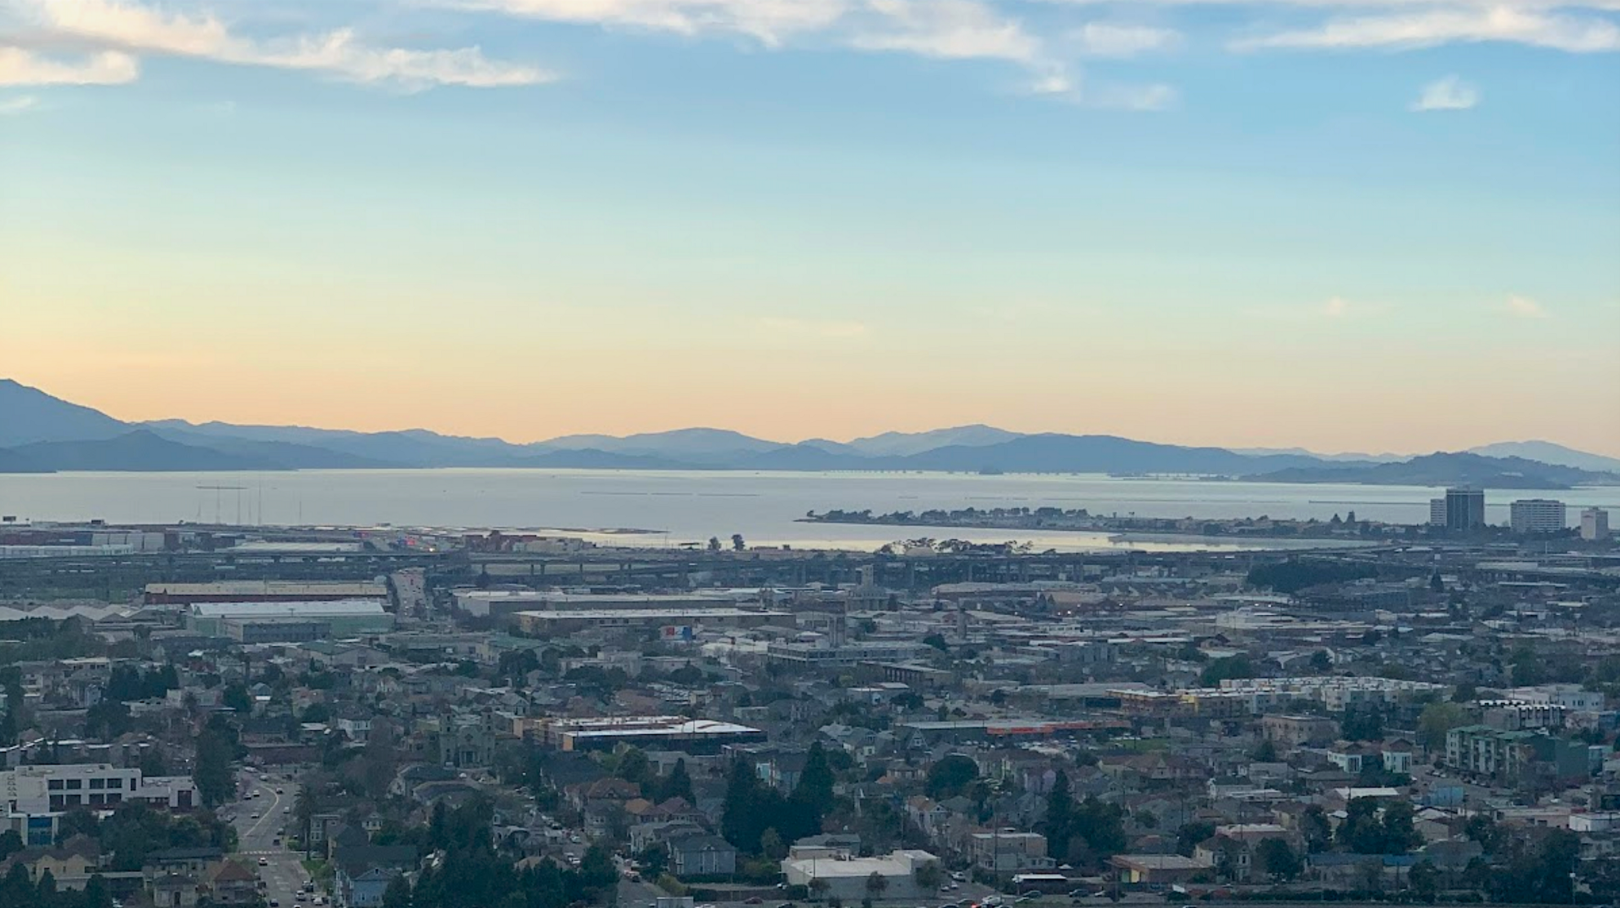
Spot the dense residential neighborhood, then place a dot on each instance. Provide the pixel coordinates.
(1429, 722)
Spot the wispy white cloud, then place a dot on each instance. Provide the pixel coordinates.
(1336, 308)
(128, 28)
(769, 21)
(18, 105)
(19, 66)
(829, 330)
(1122, 96)
(1528, 5)
(1456, 24)
(1102, 39)
(1449, 93)
(950, 30)
(1524, 307)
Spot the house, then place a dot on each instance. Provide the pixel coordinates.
(702, 855)
(646, 835)
(1292, 732)
(71, 864)
(1351, 758)
(1154, 869)
(367, 889)
(175, 876)
(174, 891)
(344, 836)
(1009, 851)
(353, 876)
(927, 815)
(1231, 850)
(230, 883)
(610, 790)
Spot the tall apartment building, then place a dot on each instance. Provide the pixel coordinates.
(1537, 515)
(1465, 509)
(1594, 524)
(1437, 512)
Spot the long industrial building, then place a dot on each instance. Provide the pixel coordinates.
(695, 736)
(288, 622)
(261, 591)
(503, 603)
(546, 622)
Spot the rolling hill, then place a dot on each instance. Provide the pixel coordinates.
(28, 415)
(1444, 469)
(39, 432)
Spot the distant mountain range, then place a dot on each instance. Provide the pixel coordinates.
(41, 433)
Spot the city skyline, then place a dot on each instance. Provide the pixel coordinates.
(1363, 225)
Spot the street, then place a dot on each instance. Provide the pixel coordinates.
(259, 821)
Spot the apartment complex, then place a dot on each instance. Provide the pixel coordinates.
(1594, 524)
(1537, 515)
(1465, 509)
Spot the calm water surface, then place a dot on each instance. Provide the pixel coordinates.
(692, 506)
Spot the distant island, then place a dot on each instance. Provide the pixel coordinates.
(1347, 528)
(1449, 470)
(40, 433)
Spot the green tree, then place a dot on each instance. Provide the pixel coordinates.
(1229, 668)
(77, 821)
(212, 768)
(1101, 826)
(1277, 860)
(1190, 835)
(1528, 669)
(96, 894)
(1365, 723)
(1059, 817)
(1316, 830)
(876, 885)
(10, 843)
(1424, 878)
(1437, 719)
(771, 845)
(1400, 832)
(929, 876)
(951, 776)
(633, 767)
(679, 783)
(814, 791)
(236, 697)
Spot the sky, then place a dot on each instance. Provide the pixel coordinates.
(1388, 225)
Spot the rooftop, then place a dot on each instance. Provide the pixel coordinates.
(334, 608)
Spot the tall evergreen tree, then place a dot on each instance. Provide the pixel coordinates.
(1059, 818)
(679, 783)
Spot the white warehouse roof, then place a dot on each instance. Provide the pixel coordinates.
(335, 609)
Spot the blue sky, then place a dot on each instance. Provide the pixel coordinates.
(1358, 224)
